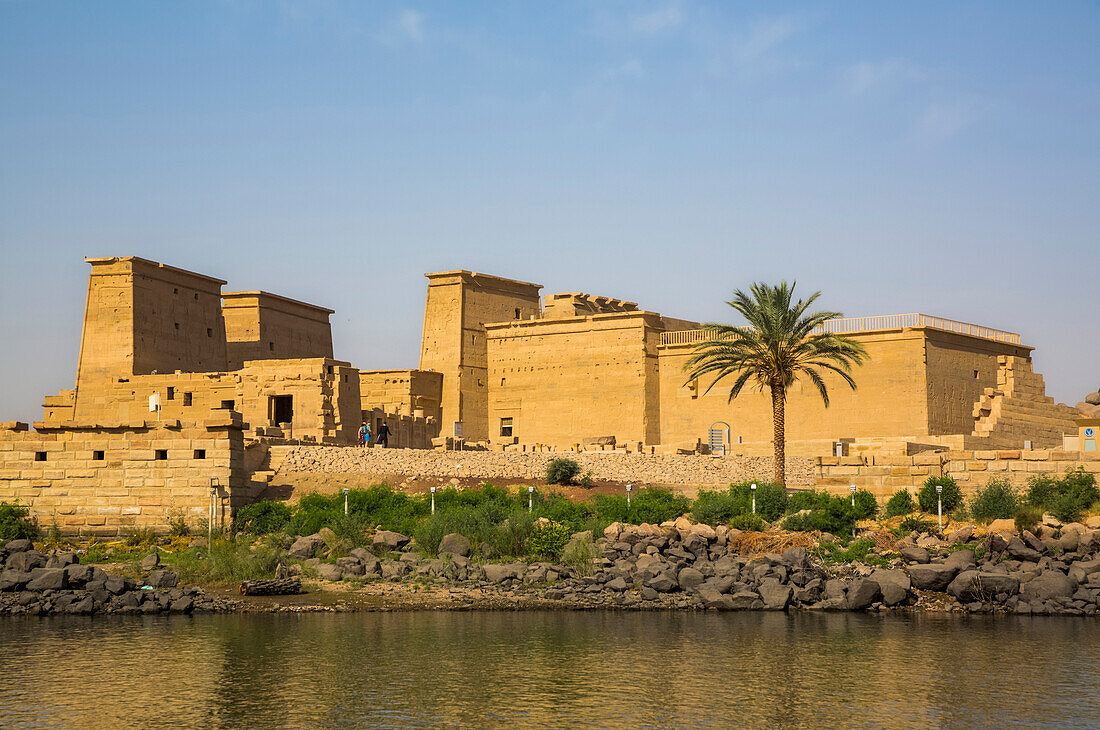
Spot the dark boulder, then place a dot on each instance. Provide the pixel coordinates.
(931, 577)
(775, 595)
(1049, 585)
(26, 560)
(862, 592)
(49, 579)
(14, 580)
(162, 579)
(388, 540)
(975, 586)
(455, 544)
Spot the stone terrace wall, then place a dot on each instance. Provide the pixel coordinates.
(107, 480)
(883, 475)
(491, 465)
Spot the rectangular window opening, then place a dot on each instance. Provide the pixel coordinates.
(187, 399)
(282, 408)
(976, 376)
(176, 325)
(175, 290)
(227, 405)
(161, 455)
(200, 453)
(271, 346)
(209, 331)
(171, 393)
(506, 427)
(517, 313)
(97, 456)
(40, 456)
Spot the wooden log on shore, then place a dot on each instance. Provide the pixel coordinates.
(274, 587)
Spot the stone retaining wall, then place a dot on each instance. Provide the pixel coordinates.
(109, 479)
(501, 465)
(883, 475)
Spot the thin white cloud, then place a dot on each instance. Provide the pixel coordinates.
(940, 122)
(866, 76)
(631, 69)
(658, 20)
(764, 35)
(412, 24)
(404, 28)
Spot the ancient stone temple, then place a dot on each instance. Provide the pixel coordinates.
(181, 390)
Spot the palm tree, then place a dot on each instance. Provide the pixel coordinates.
(778, 347)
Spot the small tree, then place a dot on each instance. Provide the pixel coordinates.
(562, 471)
(782, 343)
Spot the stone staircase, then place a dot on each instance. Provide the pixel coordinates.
(1018, 409)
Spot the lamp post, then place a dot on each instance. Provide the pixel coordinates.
(628, 488)
(852, 489)
(939, 504)
(214, 485)
(345, 490)
(753, 488)
(433, 500)
(530, 499)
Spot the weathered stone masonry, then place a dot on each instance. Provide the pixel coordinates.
(106, 479)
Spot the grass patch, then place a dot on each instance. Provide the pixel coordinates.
(225, 562)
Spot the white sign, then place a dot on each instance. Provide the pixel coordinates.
(154, 402)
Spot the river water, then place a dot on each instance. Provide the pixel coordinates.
(543, 669)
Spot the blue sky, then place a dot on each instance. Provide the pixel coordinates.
(933, 157)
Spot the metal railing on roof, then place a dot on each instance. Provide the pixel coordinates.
(874, 323)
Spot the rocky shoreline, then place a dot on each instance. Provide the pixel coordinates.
(674, 566)
(38, 584)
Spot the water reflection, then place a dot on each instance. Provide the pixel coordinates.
(549, 670)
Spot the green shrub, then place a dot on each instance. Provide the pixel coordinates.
(263, 517)
(223, 562)
(653, 505)
(1027, 517)
(717, 508)
(771, 499)
(996, 500)
(656, 505)
(807, 499)
(748, 523)
(858, 551)
(900, 503)
(1066, 498)
(580, 555)
(547, 541)
(562, 471)
(866, 505)
(1042, 490)
(833, 515)
(913, 524)
(562, 510)
(951, 496)
(15, 523)
(511, 535)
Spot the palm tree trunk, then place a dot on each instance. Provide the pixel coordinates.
(779, 439)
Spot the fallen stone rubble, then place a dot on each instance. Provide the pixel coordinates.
(692, 566)
(34, 583)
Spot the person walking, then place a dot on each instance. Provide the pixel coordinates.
(384, 435)
(364, 434)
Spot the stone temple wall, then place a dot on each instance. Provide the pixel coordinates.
(883, 475)
(109, 479)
